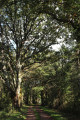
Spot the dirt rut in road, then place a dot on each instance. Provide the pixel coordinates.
(30, 114)
(43, 115)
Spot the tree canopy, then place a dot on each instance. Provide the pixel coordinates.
(29, 67)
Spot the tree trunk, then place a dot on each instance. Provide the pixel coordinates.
(18, 98)
(16, 102)
(42, 98)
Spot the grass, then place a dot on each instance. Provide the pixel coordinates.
(54, 114)
(36, 114)
(22, 114)
(14, 115)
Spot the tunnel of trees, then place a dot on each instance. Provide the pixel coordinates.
(40, 53)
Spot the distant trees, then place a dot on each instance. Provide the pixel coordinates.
(58, 80)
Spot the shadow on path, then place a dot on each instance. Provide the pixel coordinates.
(30, 114)
(43, 115)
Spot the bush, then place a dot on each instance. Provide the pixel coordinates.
(5, 102)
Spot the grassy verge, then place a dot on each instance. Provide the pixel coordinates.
(54, 114)
(36, 114)
(14, 115)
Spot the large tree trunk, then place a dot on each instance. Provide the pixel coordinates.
(18, 98)
(16, 101)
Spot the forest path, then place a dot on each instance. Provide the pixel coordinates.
(42, 115)
(30, 114)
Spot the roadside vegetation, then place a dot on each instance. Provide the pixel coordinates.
(39, 57)
(13, 114)
(54, 114)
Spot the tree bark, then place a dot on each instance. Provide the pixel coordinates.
(17, 99)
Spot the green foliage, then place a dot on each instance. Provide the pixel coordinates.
(38, 88)
(36, 114)
(5, 102)
(28, 28)
(14, 115)
(54, 114)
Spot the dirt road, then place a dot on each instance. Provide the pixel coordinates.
(42, 115)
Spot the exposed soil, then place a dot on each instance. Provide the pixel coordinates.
(30, 114)
(42, 114)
